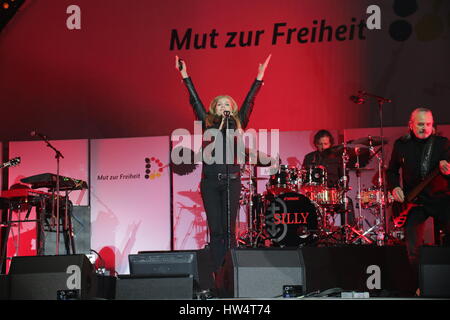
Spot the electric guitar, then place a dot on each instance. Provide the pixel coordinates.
(408, 204)
(10, 163)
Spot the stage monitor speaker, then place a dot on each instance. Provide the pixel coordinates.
(175, 263)
(52, 277)
(260, 273)
(4, 287)
(81, 224)
(378, 270)
(134, 287)
(434, 272)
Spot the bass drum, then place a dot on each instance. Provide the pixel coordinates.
(291, 220)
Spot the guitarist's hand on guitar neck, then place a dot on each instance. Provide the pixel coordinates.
(398, 194)
(444, 166)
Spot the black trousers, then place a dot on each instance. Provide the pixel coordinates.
(415, 224)
(214, 194)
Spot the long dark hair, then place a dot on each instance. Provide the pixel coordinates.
(323, 133)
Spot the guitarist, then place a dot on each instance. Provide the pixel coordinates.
(418, 154)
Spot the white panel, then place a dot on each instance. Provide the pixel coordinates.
(190, 229)
(129, 211)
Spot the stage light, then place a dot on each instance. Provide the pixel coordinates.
(8, 9)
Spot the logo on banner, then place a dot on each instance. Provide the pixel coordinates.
(154, 168)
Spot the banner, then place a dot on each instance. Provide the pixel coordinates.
(130, 198)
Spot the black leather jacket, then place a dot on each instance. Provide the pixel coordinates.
(201, 114)
(409, 154)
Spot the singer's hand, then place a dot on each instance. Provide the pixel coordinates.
(183, 70)
(262, 68)
(398, 194)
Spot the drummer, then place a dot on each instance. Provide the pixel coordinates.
(323, 141)
(332, 162)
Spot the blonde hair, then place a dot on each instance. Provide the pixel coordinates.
(213, 104)
(213, 110)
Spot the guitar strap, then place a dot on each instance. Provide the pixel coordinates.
(426, 157)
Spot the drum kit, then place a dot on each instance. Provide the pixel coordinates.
(299, 205)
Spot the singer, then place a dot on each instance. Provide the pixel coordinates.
(213, 185)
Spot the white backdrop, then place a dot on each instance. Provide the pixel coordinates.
(129, 211)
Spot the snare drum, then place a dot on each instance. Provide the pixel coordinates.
(322, 195)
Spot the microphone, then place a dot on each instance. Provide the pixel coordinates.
(361, 97)
(226, 114)
(35, 133)
(357, 99)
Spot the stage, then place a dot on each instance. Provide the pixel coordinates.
(309, 273)
(106, 188)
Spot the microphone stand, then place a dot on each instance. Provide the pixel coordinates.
(58, 156)
(381, 231)
(227, 120)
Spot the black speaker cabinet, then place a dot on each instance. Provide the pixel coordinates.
(46, 277)
(434, 272)
(377, 270)
(81, 224)
(4, 287)
(134, 287)
(175, 263)
(260, 273)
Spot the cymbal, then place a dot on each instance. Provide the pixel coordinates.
(376, 141)
(339, 148)
(251, 154)
(363, 155)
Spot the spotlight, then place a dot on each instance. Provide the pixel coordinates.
(8, 9)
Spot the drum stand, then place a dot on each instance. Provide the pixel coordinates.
(252, 235)
(346, 228)
(380, 223)
(360, 219)
(382, 230)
